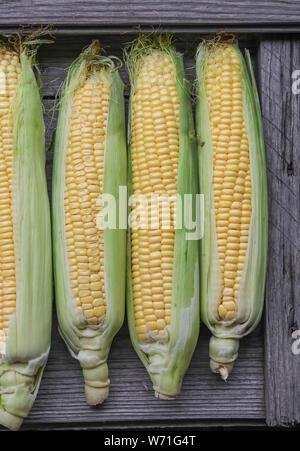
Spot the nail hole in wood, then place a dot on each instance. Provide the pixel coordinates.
(290, 169)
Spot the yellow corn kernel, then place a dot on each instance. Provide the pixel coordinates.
(155, 149)
(83, 184)
(231, 171)
(10, 70)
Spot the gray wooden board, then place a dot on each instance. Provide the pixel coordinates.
(203, 396)
(131, 402)
(281, 116)
(154, 12)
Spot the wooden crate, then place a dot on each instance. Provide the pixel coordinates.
(263, 387)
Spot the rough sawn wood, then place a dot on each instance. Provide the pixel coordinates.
(281, 117)
(150, 12)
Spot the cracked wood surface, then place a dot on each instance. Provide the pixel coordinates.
(113, 13)
(281, 116)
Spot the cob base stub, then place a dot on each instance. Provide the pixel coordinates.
(95, 373)
(222, 353)
(12, 422)
(19, 386)
(16, 398)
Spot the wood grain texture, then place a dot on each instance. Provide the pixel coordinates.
(154, 12)
(204, 397)
(281, 117)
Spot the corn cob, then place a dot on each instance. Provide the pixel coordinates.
(89, 262)
(163, 302)
(233, 180)
(25, 235)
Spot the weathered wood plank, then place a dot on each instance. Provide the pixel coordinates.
(150, 426)
(281, 116)
(204, 397)
(149, 12)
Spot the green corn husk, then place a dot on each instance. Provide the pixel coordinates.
(167, 359)
(28, 340)
(224, 344)
(90, 344)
